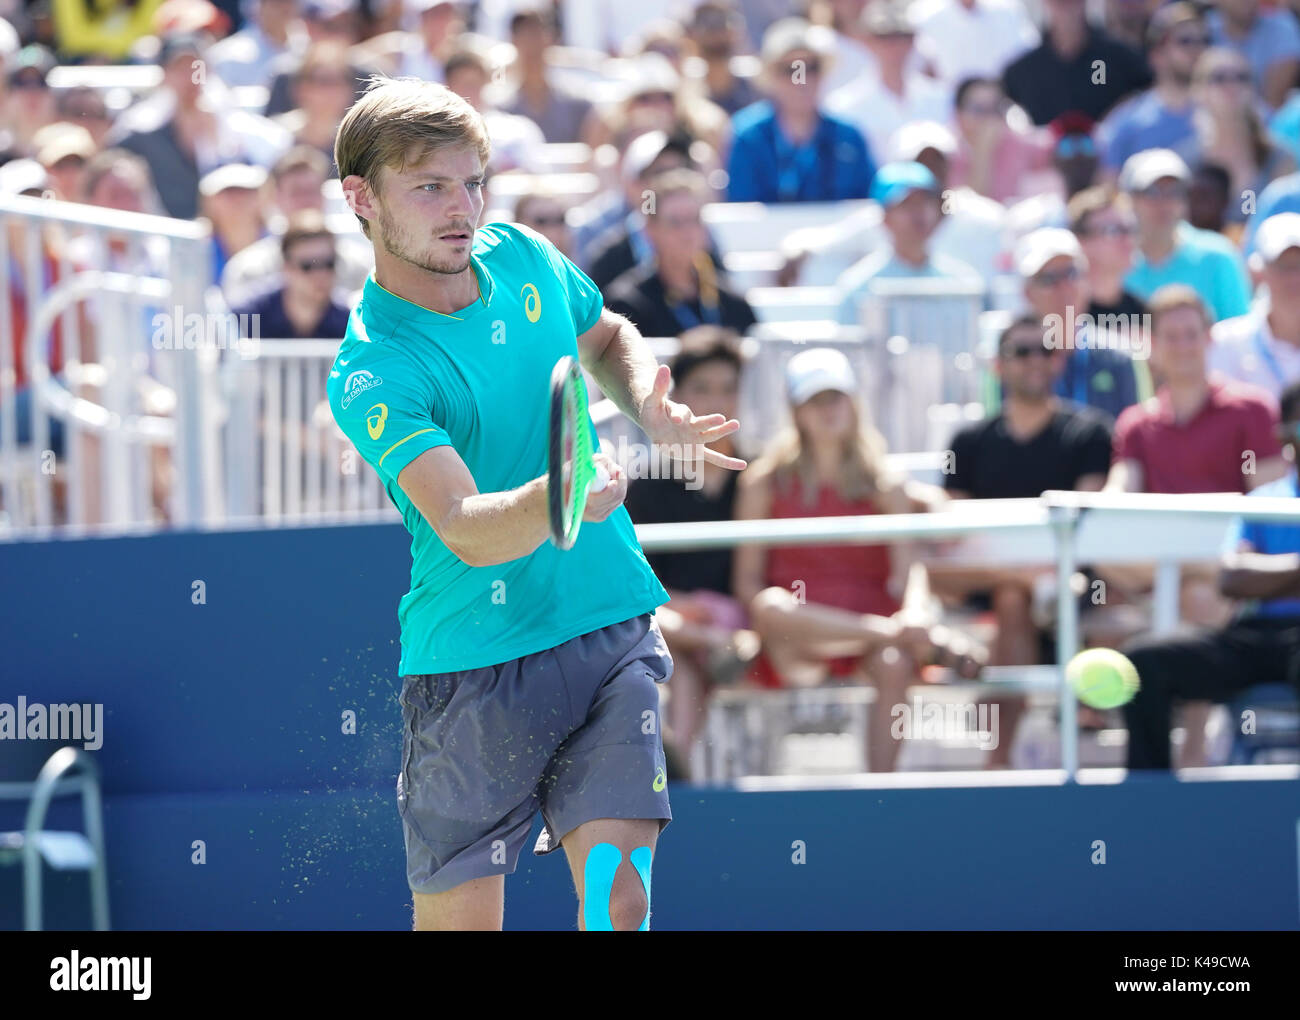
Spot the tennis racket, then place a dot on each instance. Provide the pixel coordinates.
(571, 472)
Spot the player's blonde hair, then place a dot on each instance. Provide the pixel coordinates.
(401, 121)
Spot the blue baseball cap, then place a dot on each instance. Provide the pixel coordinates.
(895, 181)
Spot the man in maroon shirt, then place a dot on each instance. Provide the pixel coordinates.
(1201, 432)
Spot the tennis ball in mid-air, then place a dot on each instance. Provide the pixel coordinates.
(1102, 677)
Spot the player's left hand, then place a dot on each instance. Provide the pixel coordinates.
(669, 423)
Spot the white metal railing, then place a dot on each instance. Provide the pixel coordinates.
(287, 460)
(105, 472)
(1060, 528)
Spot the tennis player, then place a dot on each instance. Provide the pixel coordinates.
(528, 673)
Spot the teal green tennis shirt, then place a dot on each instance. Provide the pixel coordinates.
(408, 379)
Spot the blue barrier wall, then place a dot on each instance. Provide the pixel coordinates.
(223, 723)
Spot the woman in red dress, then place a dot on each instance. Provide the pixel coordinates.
(856, 612)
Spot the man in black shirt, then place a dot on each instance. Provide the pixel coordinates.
(704, 626)
(1077, 67)
(1038, 441)
(681, 288)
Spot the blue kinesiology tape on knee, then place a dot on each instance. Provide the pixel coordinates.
(640, 858)
(603, 860)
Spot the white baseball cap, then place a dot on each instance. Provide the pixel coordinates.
(232, 175)
(822, 368)
(1039, 247)
(916, 136)
(1276, 234)
(1143, 169)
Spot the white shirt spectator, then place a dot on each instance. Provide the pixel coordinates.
(1245, 349)
(245, 58)
(607, 25)
(878, 113)
(961, 42)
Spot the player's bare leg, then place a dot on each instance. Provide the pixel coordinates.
(628, 901)
(476, 905)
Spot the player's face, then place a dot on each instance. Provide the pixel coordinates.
(428, 214)
(1179, 344)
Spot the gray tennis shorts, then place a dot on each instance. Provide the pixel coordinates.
(573, 731)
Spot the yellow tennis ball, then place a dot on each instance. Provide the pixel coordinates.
(1102, 677)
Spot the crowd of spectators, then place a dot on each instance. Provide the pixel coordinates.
(1129, 168)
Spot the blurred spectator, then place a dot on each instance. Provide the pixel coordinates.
(1060, 75)
(1160, 117)
(715, 30)
(963, 39)
(323, 91)
(104, 31)
(29, 102)
(1283, 195)
(181, 134)
(64, 150)
(1208, 196)
(332, 21)
(681, 287)
(1129, 20)
(1262, 347)
(562, 115)
(847, 55)
(861, 612)
(1096, 369)
(516, 141)
(231, 201)
(1261, 567)
(785, 148)
(1200, 433)
(245, 58)
(613, 219)
(296, 182)
(1268, 40)
(705, 627)
(970, 231)
(913, 209)
(85, 106)
(302, 307)
(182, 16)
(1229, 129)
(664, 37)
(879, 103)
(1074, 151)
(1171, 250)
(657, 100)
(1035, 442)
(1103, 222)
(604, 25)
(544, 212)
(424, 51)
(995, 158)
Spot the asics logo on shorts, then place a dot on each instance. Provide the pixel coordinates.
(660, 783)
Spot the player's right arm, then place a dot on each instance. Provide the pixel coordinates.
(487, 528)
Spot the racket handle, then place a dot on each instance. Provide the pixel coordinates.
(601, 480)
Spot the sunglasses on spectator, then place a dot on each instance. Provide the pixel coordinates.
(28, 82)
(1019, 352)
(1169, 189)
(1228, 78)
(325, 79)
(810, 64)
(1111, 230)
(983, 109)
(1060, 276)
(312, 265)
(1191, 41)
(1072, 146)
(552, 220)
(654, 97)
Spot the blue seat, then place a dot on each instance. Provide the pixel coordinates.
(1277, 723)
